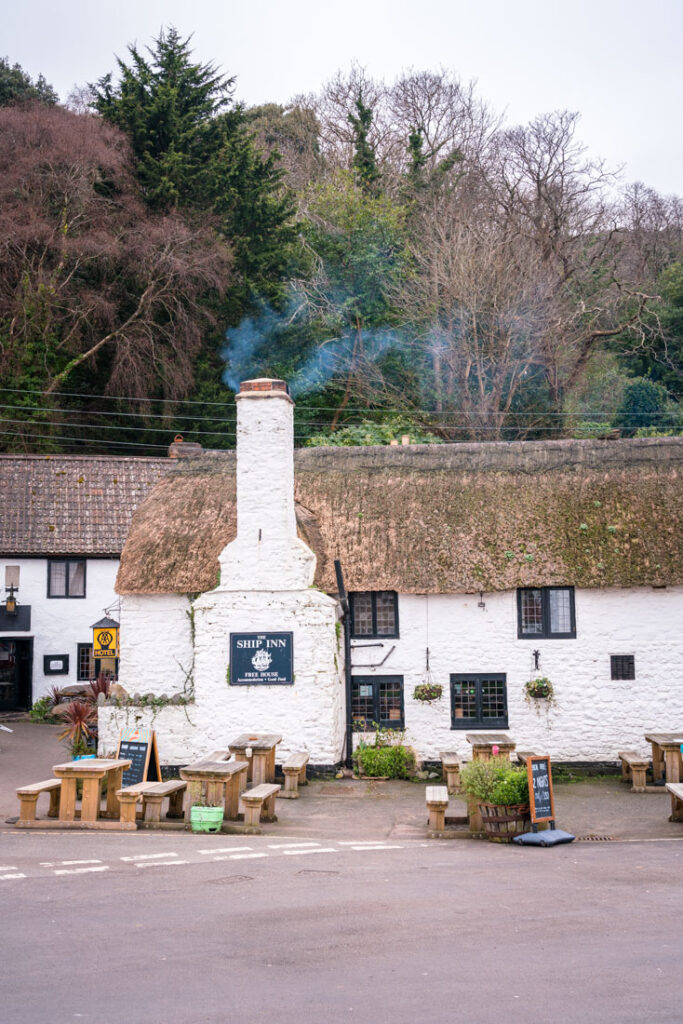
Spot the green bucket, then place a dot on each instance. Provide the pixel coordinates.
(206, 819)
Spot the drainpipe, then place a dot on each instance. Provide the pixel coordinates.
(346, 625)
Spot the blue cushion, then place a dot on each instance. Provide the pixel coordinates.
(551, 837)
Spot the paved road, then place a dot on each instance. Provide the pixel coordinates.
(180, 929)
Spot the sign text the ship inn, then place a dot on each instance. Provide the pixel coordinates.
(261, 658)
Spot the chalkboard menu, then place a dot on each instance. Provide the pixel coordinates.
(265, 658)
(140, 747)
(540, 789)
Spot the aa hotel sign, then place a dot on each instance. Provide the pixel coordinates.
(261, 658)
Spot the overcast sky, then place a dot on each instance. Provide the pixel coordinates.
(618, 62)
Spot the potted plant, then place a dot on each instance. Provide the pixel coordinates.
(502, 793)
(539, 689)
(427, 692)
(386, 758)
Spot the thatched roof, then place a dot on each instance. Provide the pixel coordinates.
(72, 504)
(437, 518)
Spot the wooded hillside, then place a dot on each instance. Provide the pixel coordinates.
(406, 260)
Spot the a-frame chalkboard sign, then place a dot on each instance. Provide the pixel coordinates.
(140, 747)
(541, 800)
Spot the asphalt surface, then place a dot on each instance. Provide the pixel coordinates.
(181, 929)
(343, 910)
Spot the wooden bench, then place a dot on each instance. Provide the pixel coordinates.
(450, 766)
(28, 799)
(152, 794)
(294, 770)
(676, 790)
(524, 755)
(633, 770)
(259, 803)
(437, 802)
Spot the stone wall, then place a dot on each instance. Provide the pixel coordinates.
(594, 717)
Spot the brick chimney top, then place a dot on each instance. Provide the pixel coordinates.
(180, 449)
(264, 386)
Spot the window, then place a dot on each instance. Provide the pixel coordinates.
(623, 666)
(66, 577)
(374, 613)
(377, 701)
(86, 665)
(545, 613)
(479, 701)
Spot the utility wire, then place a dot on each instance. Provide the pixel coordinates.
(299, 406)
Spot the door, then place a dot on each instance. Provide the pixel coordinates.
(15, 674)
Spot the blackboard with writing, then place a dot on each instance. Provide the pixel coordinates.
(140, 747)
(540, 789)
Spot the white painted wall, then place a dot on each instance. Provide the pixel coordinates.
(58, 625)
(310, 714)
(594, 716)
(593, 719)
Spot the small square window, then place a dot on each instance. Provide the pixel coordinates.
(66, 577)
(546, 613)
(377, 701)
(374, 613)
(623, 666)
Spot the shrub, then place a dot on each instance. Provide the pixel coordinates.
(496, 781)
(42, 711)
(644, 404)
(393, 762)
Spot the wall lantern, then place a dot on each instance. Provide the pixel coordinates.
(11, 601)
(11, 585)
(105, 638)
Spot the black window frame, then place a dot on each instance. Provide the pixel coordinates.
(545, 633)
(81, 678)
(479, 722)
(622, 666)
(374, 635)
(67, 596)
(376, 682)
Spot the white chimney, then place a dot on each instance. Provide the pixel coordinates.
(266, 554)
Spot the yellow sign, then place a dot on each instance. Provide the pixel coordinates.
(105, 643)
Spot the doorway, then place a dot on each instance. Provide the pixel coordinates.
(16, 666)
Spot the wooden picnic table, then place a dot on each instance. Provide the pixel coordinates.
(90, 771)
(261, 761)
(222, 782)
(484, 742)
(666, 755)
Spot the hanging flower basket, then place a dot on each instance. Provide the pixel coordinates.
(502, 822)
(427, 692)
(539, 689)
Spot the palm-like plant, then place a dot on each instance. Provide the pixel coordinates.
(79, 717)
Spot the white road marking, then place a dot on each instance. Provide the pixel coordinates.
(300, 853)
(65, 862)
(149, 856)
(18, 875)
(369, 849)
(286, 846)
(225, 849)
(47, 864)
(80, 871)
(8, 867)
(245, 856)
(360, 842)
(161, 863)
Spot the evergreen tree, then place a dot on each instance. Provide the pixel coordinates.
(194, 152)
(17, 87)
(364, 159)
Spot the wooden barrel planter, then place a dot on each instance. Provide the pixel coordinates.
(502, 823)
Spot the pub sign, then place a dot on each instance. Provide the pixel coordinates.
(261, 658)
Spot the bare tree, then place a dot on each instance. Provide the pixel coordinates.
(85, 271)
